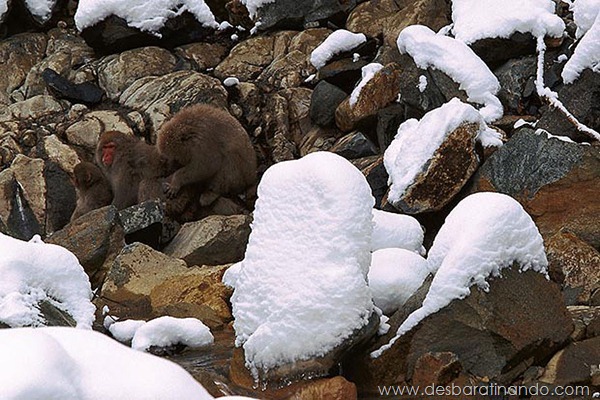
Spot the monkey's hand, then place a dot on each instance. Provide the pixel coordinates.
(170, 189)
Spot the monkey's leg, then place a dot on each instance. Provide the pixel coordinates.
(185, 176)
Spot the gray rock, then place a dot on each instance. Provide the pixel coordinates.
(515, 76)
(144, 222)
(354, 145)
(324, 100)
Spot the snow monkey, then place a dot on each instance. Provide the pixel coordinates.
(211, 149)
(93, 189)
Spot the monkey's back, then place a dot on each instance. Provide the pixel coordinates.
(209, 138)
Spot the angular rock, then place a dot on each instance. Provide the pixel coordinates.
(215, 240)
(203, 288)
(378, 93)
(586, 320)
(298, 109)
(60, 196)
(143, 222)
(577, 364)
(34, 108)
(87, 92)
(343, 73)
(377, 177)
(371, 17)
(59, 153)
(436, 369)
(555, 182)
(161, 97)
(247, 59)
(291, 14)
(324, 100)
(576, 264)
(317, 139)
(447, 172)
(86, 131)
(354, 145)
(201, 55)
(287, 72)
(517, 88)
(496, 334)
(96, 240)
(495, 51)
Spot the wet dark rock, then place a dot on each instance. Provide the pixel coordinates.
(514, 77)
(377, 177)
(87, 92)
(495, 51)
(324, 100)
(344, 73)
(354, 145)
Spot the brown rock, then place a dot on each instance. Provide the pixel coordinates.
(29, 173)
(202, 55)
(447, 172)
(577, 364)
(336, 388)
(576, 264)
(247, 59)
(298, 106)
(377, 177)
(371, 17)
(497, 334)
(379, 92)
(86, 131)
(96, 240)
(317, 139)
(215, 240)
(203, 287)
(586, 320)
(436, 369)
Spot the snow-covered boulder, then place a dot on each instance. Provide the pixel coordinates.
(586, 55)
(168, 331)
(338, 42)
(430, 160)
(302, 290)
(394, 276)
(584, 15)
(396, 230)
(485, 233)
(34, 273)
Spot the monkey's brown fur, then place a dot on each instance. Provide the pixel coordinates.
(212, 150)
(93, 189)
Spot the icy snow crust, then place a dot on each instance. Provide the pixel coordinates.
(146, 15)
(35, 271)
(368, 72)
(475, 20)
(458, 61)
(586, 55)
(338, 42)
(395, 275)
(75, 364)
(396, 230)
(416, 142)
(483, 234)
(167, 331)
(302, 286)
(584, 15)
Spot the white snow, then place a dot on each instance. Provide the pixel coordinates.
(338, 42)
(417, 141)
(231, 275)
(551, 136)
(33, 272)
(167, 331)
(475, 20)
(396, 230)
(394, 276)
(124, 331)
(231, 81)
(74, 364)
(586, 55)
(458, 61)
(40, 8)
(254, 5)
(3, 8)
(368, 72)
(584, 15)
(146, 15)
(302, 287)
(483, 234)
(422, 83)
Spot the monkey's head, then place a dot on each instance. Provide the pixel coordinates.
(108, 143)
(85, 174)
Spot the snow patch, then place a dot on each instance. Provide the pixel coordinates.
(35, 271)
(40, 8)
(586, 55)
(368, 72)
(338, 42)
(483, 234)
(254, 5)
(396, 230)
(302, 288)
(458, 61)
(231, 81)
(422, 83)
(585, 13)
(124, 331)
(168, 331)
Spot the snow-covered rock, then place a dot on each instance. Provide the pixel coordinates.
(302, 287)
(368, 72)
(586, 55)
(394, 276)
(33, 272)
(483, 234)
(584, 15)
(76, 364)
(458, 61)
(167, 331)
(396, 230)
(338, 42)
(123, 331)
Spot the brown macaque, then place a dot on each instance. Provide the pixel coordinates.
(211, 149)
(92, 187)
(127, 162)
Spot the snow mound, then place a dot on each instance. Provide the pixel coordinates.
(417, 141)
(584, 15)
(302, 288)
(168, 331)
(368, 72)
(395, 275)
(146, 15)
(396, 230)
(76, 364)
(338, 42)
(41, 9)
(483, 234)
(232, 274)
(458, 61)
(33, 272)
(586, 55)
(481, 19)
(124, 331)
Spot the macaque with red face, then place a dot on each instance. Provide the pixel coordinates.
(93, 189)
(212, 150)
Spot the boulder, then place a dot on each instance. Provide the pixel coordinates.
(496, 334)
(586, 320)
(202, 56)
(144, 223)
(495, 51)
(61, 87)
(247, 59)
(577, 364)
(517, 88)
(87, 129)
(215, 240)
(96, 239)
(555, 181)
(324, 100)
(354, 145)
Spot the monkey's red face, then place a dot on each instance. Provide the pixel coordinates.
(108, 153)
